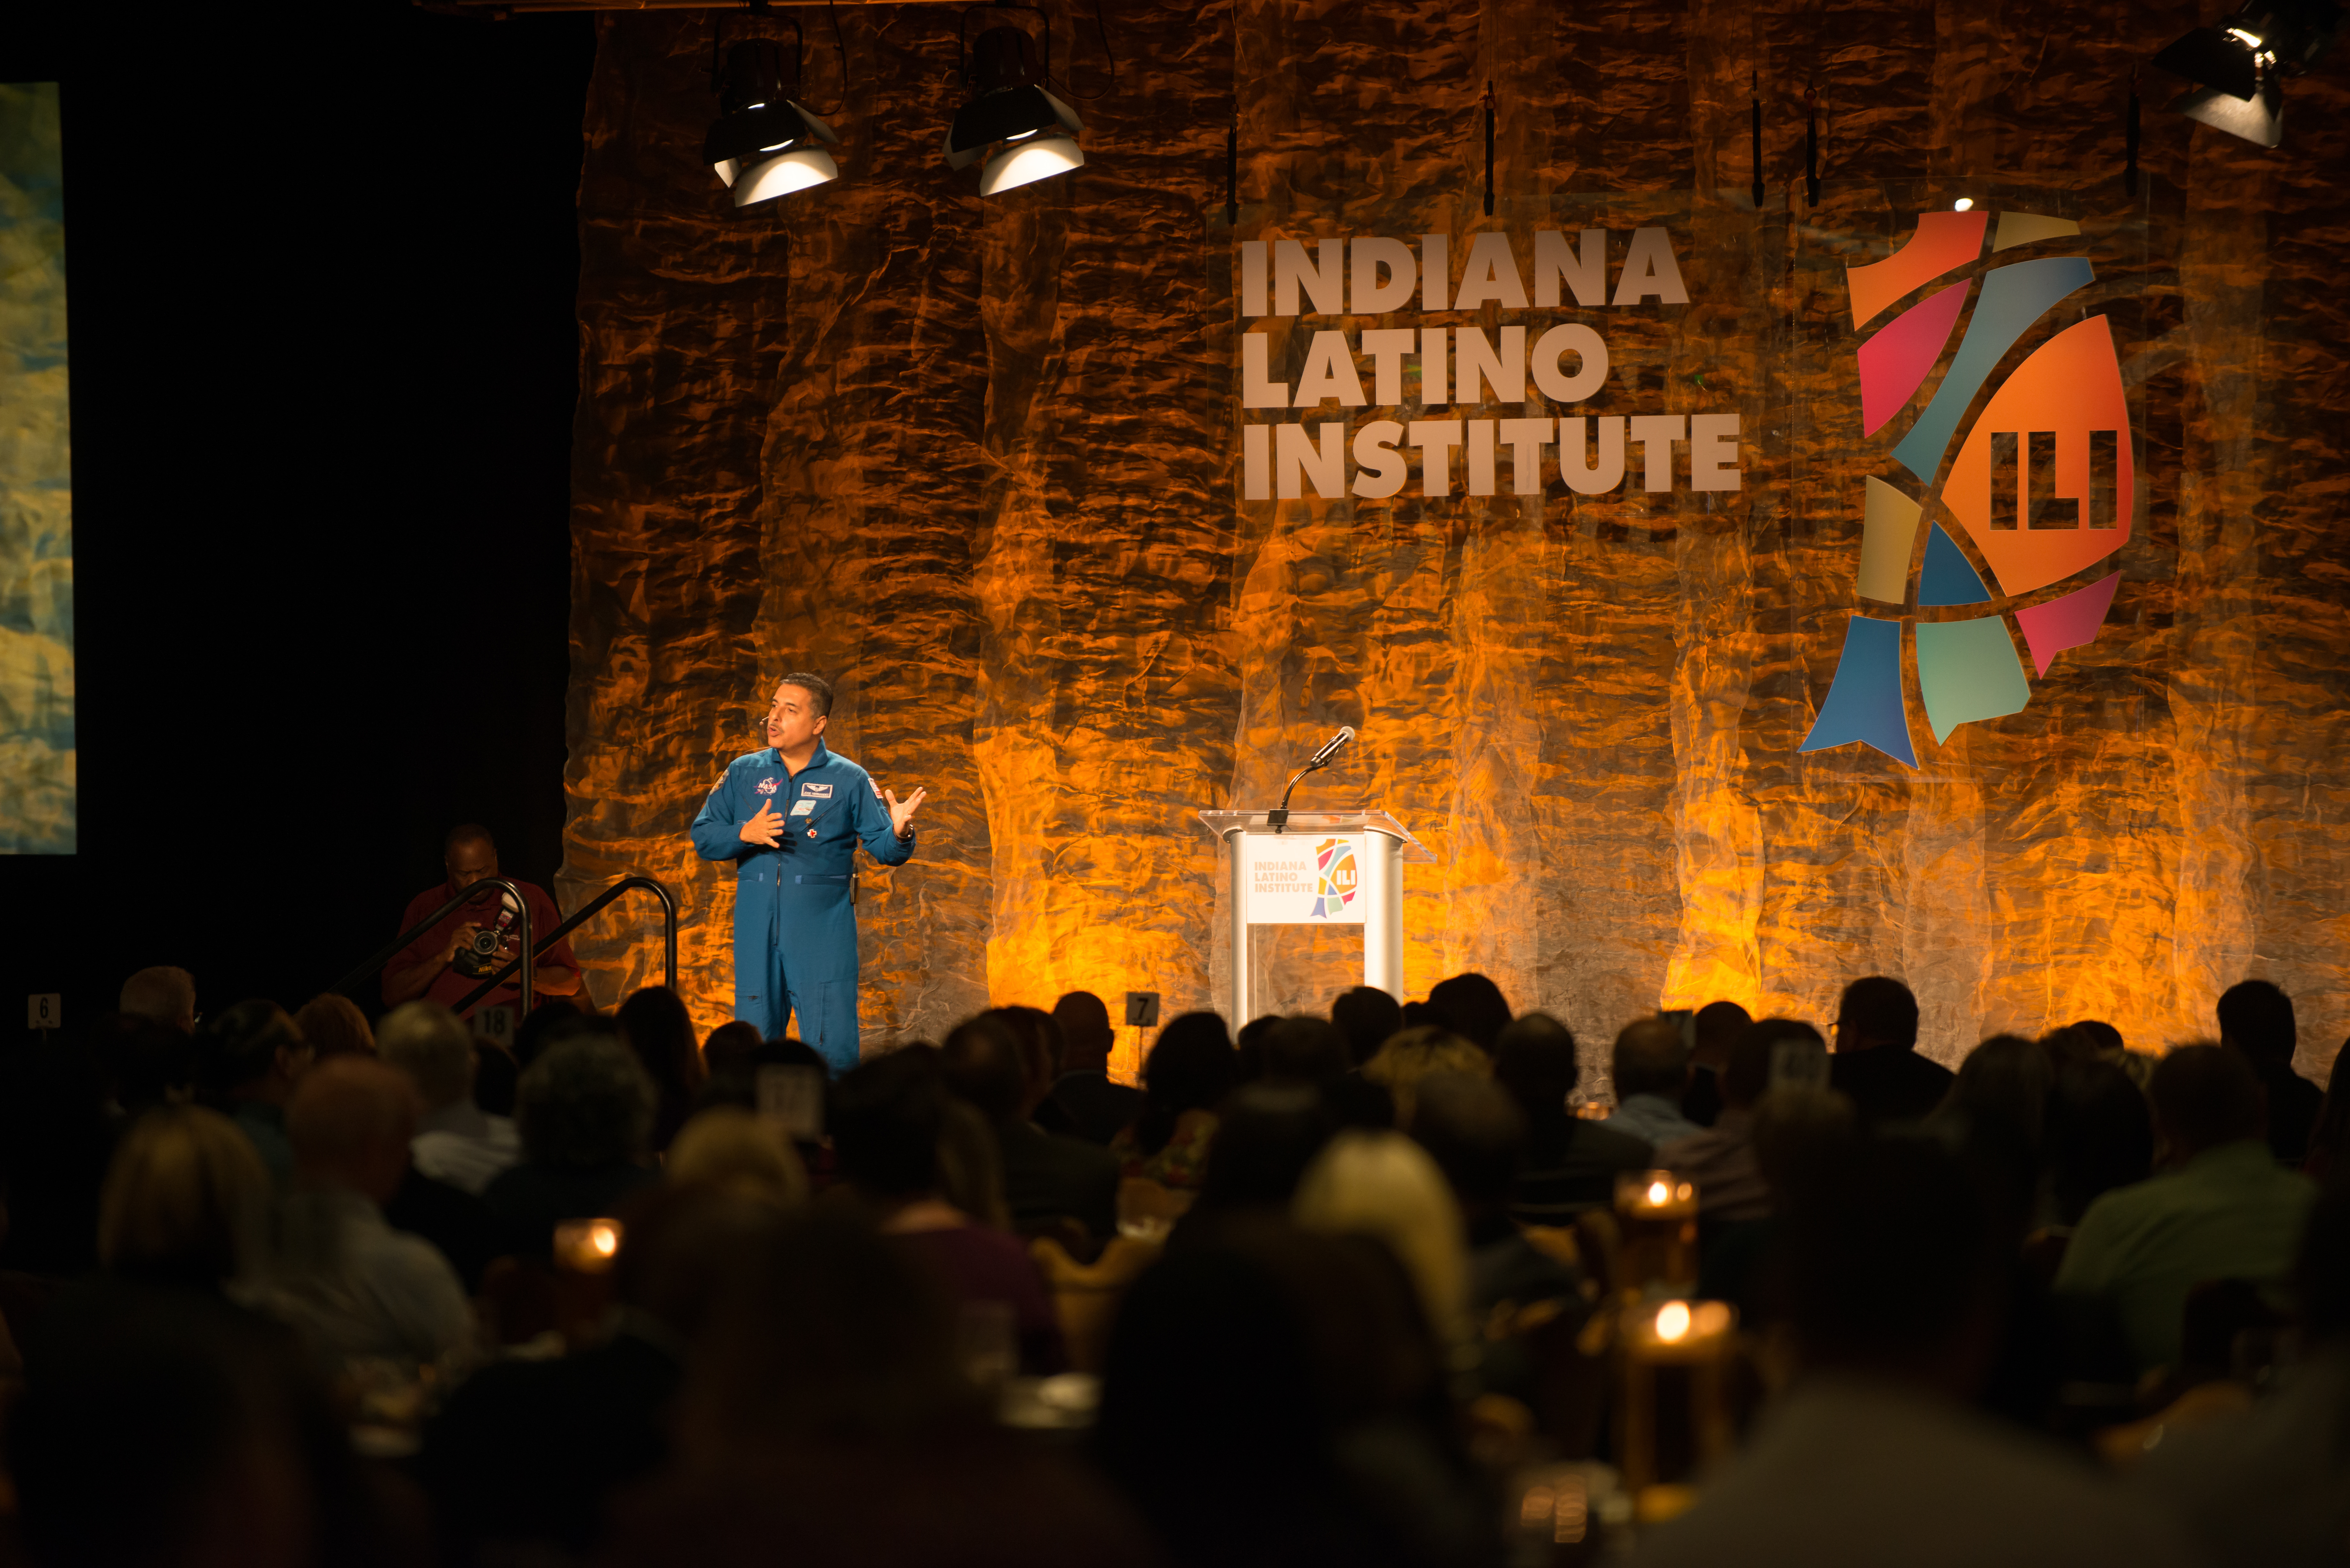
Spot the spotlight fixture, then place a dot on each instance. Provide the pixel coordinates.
(2236, 65)
(1022, 131)
(763, 144)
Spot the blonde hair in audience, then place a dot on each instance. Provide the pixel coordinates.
(1384, 1185)
(185, 1195)
(1413, 1054)
(729, 1148)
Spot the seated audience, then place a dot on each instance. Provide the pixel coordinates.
(1569, 1164)
(827, 1424)
(2220, 1208)
(1997, 1109)
(1715, 1028)
(354, 1286)
(2100, 1136)
(161, 995)
(1368, 1017)
(1475, 1131)
(428, 967)
(1046, 1177)
(730, 1049)
(333, 1026)
(1470, 1006)
(1650, 1068)
(1384, 1185)
(655, 1025)
(2256, 1019)
(735, 1151)
(1411, 1054)
(1872, 1456)
(248, 1061)
(1273, 1397)
(144, 1063)
(2273, 1486)
(162, 1428)
(1084, 1103)
(456, 1141)
(1720, 1159)
(888, 1120)
(584, 1110)
(554, 1018)
(1266, 1136)
(55, 1136)
(1191, 1069)
(186, 1202)
(1314, 1052)
(1877, 1062)
(529, 1455)
(2329, 1140)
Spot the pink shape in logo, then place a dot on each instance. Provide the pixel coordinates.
(2071, 621)
(1893, 362)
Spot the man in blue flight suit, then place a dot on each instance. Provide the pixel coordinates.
(790, 817)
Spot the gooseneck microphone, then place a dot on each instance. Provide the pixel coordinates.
(1278, 818)
(1331, 748)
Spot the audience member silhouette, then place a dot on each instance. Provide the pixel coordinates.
(2256, 1018)
(456, 1141)
(584, 1109)
(1715, 1029)
(1877, 1062)
(1191, 1069)
(1368, 1017)
(1651, 1071)
(655, 1025)
(888, 1123)
(186, 1202)
(1046, 1177)
(1894, 1275)
(1570, 1164)
(1084, 1103)
(248, 1061)
(2221, 1207)
(1470, 1006)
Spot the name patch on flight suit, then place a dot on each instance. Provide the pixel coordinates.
(802, 807)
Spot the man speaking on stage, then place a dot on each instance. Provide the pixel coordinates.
(789, 816)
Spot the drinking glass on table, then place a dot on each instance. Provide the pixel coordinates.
(987, 1344)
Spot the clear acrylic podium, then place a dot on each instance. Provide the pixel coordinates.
(1325, 868)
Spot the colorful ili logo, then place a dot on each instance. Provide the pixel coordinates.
(1334, 872)
(2041, 488)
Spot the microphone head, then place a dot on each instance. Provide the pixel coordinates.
(1333, 745)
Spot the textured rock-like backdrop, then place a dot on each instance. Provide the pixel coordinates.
(976, 461)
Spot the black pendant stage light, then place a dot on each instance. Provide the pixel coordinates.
(1022, 131)
(2236, 65)
(763, 144)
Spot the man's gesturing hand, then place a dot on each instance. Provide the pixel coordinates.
(901, 812)
(765, 829)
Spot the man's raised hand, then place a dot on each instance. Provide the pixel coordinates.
(901, 812)
(765, 829)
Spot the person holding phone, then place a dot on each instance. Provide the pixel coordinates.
(790, 815)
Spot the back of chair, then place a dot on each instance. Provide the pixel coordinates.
(1085, 1296)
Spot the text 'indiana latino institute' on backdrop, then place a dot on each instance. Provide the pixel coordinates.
(1424, 367)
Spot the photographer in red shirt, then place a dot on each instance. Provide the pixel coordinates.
(431, 967)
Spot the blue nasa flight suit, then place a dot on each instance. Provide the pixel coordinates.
(794, 926)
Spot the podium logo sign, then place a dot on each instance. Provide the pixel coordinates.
(2041, 492)
(1292, 879)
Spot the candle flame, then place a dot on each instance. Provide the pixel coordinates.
(1673, 1322)
(1658, 1192)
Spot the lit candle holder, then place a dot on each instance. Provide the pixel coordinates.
(588, 1246)
(1658, 1213)
(1693, 1335)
